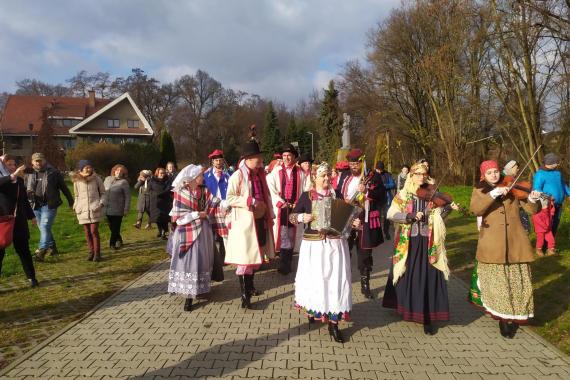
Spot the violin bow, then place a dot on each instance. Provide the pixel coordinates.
(524, 168)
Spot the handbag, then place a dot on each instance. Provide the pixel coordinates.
(7, 223)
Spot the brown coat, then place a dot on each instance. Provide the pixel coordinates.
(89, 198)
(502, 238)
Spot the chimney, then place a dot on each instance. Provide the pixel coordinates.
(91, 94)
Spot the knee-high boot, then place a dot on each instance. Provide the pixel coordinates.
(245, 294)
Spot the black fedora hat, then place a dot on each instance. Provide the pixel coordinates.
(289, 148)
(250, 148)
(306, 157)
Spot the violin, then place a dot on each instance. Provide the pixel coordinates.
(519, 189)
(429, 193)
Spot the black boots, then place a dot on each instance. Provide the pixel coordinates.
(34, 283)
(365, 285)
(286, 256)
(508, 329)
(254, 292)
(245, 283)
(335, 332)
(429, 329)
(90, 256)
(311, 320)
(188, 304)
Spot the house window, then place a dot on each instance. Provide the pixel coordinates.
(16, 143)
(67, 122)
(133, 123)
(113, 123)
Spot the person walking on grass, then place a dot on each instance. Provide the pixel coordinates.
(144, 200)
(43, 185)
(89, 202)
(118, 200)
(548, 179)
(161, 198)
(13, 199)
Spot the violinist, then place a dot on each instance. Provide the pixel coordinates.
(511, 169)
(372, 196)
(504, 252)
(417, 286)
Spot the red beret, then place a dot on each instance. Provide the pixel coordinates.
(341, 165)
(354, 155)
(216, 154)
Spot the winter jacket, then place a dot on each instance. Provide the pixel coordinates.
(117, 196)
(550, 182)
(89, 198)
(55, 184)
(10, 193)
(502, 238)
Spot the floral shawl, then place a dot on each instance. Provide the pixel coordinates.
(403, 202)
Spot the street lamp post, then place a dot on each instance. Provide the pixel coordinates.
(312, 146)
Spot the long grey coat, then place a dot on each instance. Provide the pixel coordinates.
(117, 196)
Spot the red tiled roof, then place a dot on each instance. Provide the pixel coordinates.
(21, 110)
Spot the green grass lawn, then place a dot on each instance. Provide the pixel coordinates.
(70, 285)
(551, 275)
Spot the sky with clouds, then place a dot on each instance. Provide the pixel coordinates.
(277, 49)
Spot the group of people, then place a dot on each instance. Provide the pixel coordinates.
(212, 216)
(258, 214)
(34, 194)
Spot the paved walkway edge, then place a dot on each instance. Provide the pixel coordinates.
(527, 328)
(40, 346)
(24, 357)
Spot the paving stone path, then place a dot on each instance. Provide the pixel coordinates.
(143, 333)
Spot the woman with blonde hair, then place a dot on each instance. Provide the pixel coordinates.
(417, 283)
(88, 206)
(118, 200)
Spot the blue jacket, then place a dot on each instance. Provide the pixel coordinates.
(212, 183)
(551, 183)
(389, 185)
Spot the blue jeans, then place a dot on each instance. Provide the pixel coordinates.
(45, 218)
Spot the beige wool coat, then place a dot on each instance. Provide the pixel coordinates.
(242, 247)
(502, 238)
(89, 195)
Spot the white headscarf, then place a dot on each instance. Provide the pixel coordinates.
(187, 174)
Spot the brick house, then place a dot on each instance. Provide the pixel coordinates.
(74, 119)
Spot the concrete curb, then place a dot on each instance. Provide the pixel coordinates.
(46, 342)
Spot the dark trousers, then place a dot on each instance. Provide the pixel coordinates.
(22, 248)
(115, 227)
(556, 218)
(363, 255)
(92, 237)
(162, 223)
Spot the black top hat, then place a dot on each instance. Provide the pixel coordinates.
(290, 149)
(306, 157)
(250, 148)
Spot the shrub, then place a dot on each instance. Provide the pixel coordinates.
(104, 156)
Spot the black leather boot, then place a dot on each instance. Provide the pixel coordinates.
(365, 286)
(335, 332)
(311, 320)
(254, 292)
(245, 296)
(188, 304)
(513, 327)
(285, 262)
(504, 329)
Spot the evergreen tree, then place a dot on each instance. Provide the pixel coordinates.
(292, 131)
(271, 141)
(46, 144)
(330, 126)
(167, 150)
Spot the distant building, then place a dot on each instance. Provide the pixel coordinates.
(74, 119)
